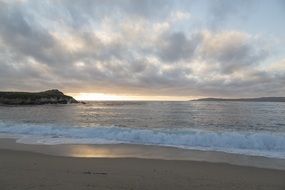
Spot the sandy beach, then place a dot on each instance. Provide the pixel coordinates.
(25, 170)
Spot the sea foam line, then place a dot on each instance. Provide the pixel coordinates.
(251, 143)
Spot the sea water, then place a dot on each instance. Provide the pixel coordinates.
(250, 128)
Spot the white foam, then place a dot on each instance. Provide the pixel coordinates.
(251, 143)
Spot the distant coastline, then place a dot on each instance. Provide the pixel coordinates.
(35, 98)
(261, 99)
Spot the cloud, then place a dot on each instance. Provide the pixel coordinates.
(232, 51)
(221, 11)
(176, 46)
(129, 47)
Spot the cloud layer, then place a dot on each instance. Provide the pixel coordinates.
(135, 47)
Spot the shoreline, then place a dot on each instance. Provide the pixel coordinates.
(143, 152)
(27, 170)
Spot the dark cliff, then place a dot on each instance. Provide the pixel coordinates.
(38, 98)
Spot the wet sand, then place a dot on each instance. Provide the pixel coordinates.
(26, 170)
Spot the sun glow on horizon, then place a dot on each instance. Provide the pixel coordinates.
(98, 96)
(115, 97)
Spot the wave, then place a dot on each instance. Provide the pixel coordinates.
(267, 144)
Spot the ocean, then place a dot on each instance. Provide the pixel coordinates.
(248, 128)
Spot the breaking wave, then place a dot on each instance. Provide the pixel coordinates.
(267, 144)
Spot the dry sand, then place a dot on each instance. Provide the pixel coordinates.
(21, 170)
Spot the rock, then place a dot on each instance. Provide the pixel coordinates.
(28, 98)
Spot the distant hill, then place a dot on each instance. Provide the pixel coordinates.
(262, 99)
(38, 98)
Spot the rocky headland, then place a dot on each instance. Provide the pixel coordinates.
(35, 98)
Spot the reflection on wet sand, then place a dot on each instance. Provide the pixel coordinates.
(89, 152)
(145, 152)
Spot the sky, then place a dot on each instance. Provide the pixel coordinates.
(144, 49)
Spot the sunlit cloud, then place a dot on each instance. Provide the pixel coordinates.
(129, 50)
